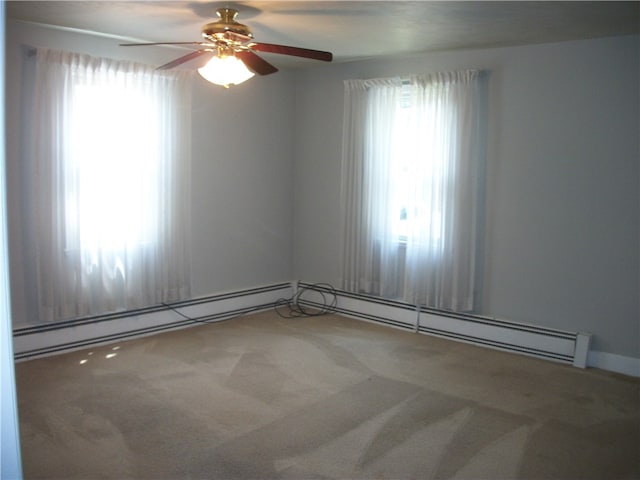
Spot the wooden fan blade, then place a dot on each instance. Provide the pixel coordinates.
(255, 63)
(183, 59)
(295, 51)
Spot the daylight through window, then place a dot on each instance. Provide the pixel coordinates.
(113, 158)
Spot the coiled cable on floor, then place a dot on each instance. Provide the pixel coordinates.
(295, 307)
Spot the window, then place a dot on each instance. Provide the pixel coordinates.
(112, 152)
(411, 174)
(106, 208)
(412, 165)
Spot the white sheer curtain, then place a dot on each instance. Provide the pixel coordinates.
(412, 173)
(110, 190)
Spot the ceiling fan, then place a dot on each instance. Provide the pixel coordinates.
(229, 41)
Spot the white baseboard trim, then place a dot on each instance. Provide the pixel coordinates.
(50, 339)
(541, 342)
(614, 363)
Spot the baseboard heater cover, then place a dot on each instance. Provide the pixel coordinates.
(48, 339)
(536, 341)
(541, 342)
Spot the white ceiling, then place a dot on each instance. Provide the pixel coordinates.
(351, 30)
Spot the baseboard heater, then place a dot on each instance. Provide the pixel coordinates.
(536, 341)
(551, 344)
(48, 339)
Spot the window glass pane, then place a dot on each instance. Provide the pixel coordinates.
(113, 167)
(417, 170)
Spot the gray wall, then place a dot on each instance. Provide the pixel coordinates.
(241, 167)
(562, 227)
(242, 176)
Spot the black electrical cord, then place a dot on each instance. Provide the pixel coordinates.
(292, 307)
(208, 319)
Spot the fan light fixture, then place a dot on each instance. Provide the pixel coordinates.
(225, 70)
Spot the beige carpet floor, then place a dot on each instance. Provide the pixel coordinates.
(261, 397)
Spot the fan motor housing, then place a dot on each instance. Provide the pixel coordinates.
(226, 23)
